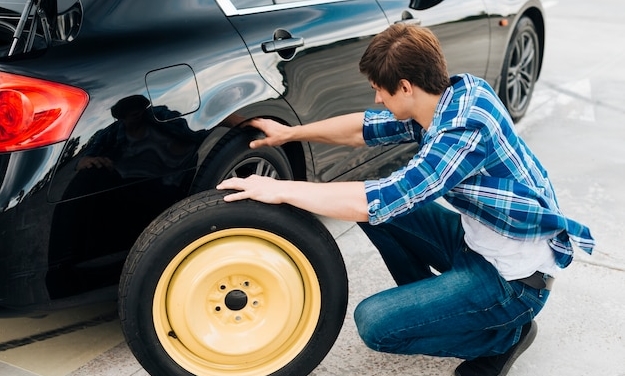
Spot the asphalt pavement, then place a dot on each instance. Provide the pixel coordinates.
(576, 126)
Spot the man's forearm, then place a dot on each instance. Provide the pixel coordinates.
(341, 200)
(339, 130)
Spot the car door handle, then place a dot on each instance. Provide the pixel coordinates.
(282, 44)
(408, 18)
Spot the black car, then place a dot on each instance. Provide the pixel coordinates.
(113, 111)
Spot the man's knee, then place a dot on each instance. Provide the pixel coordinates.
(372, 325)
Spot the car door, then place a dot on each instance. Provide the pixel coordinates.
(309, 53)
(461, 26)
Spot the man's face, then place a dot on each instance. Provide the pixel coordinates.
(396, 103)
(133, 118)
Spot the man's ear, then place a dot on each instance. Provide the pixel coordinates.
(405, 86)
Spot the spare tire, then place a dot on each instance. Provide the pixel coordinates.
(242, 288)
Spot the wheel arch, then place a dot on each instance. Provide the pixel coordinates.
(298, 154)
(537, 17)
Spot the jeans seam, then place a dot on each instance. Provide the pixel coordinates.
(508, 296)
(502, 303)
(529, 311)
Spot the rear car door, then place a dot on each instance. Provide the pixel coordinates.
(309, 53)
(460, 25)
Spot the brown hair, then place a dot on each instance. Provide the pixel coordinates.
(406, 52)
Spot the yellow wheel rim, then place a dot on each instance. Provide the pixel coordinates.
(236, 302)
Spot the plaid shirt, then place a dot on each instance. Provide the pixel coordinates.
(472, 157)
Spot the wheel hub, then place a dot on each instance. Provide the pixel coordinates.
(244, 300)
(236, 300)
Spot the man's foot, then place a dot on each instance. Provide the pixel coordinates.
(499, 365)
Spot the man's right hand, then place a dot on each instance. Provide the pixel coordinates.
(276, 133)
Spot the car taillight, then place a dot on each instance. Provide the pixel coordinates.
(36, 112)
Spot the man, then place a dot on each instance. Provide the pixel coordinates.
(470, 280)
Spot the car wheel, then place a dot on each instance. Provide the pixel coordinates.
(520, 69)
(242, 288)
(232, 157)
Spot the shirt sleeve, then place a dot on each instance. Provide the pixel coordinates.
(441, 164)
(380, 127)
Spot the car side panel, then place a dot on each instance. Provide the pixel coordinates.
(69, 231)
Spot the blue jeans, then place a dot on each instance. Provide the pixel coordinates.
(467, 311)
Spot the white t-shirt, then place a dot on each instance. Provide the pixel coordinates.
(514, 259)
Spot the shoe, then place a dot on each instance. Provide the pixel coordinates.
(499, 365)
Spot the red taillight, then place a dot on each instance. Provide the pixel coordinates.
(35, 112)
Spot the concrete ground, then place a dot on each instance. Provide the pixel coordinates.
(575, 126)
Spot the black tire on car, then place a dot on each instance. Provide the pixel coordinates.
(520, 68)
(242, 288)
(232, 157)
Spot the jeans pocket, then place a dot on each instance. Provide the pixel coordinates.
(531, 297)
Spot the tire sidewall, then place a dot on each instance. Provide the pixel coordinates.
(224, 157)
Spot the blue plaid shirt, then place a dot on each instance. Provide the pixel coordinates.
(472, 157)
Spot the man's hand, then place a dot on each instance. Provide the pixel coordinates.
(276, 133)
(255, 187)
(342, 200)
(97, 162)
(338, 130)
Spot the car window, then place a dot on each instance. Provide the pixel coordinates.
(234, 7)
(31, 26)
(244, 4)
